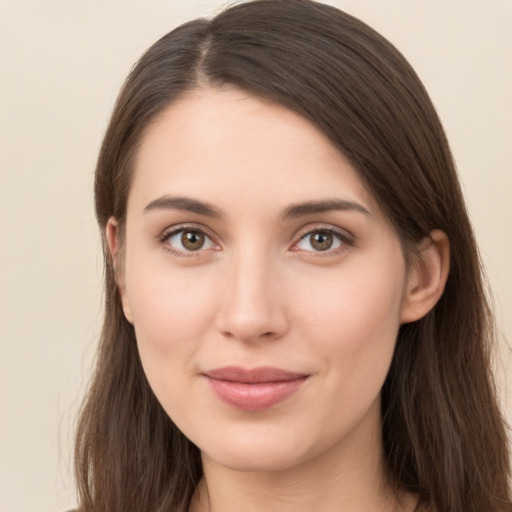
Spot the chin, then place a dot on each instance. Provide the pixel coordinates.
(255, 459)
(261, 449)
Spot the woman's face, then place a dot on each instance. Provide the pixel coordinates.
(265, 286)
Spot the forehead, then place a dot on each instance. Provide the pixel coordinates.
(222, 144)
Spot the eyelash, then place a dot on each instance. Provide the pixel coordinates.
(169, 233)
(345, 240)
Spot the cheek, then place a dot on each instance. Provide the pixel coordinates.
(353, 322)
(171, 316)
(172, 313)
(359, 303)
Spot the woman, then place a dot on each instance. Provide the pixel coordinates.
(295, 314)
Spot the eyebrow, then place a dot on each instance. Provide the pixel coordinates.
(186, 204)
(313, 207)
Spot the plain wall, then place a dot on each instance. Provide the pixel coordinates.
(61, 66)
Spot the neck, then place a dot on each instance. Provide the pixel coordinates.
(348, 477)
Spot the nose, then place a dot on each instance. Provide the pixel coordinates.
(254, 299)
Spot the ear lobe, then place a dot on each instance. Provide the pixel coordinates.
(112, 236)
(427, 278)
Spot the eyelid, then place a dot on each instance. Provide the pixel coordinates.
(173, 230)
(345, 236)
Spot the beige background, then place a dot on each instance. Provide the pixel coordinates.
(61, 66)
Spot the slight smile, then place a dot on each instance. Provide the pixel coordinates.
(256, 389)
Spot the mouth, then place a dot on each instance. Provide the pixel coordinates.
(254, 389)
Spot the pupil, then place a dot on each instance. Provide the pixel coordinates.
(192, 240)
(322, 241)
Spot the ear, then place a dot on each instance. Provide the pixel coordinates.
(427, 277)
(112, 236)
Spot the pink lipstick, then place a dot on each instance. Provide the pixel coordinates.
(256, 389)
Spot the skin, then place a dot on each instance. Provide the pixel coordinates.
(258, 292)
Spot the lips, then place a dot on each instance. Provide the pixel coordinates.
(254, 389)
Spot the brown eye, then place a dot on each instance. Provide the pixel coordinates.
(321, 240)
(183, 241)
(192, 240)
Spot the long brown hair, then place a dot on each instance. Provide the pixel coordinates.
(444, 436)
